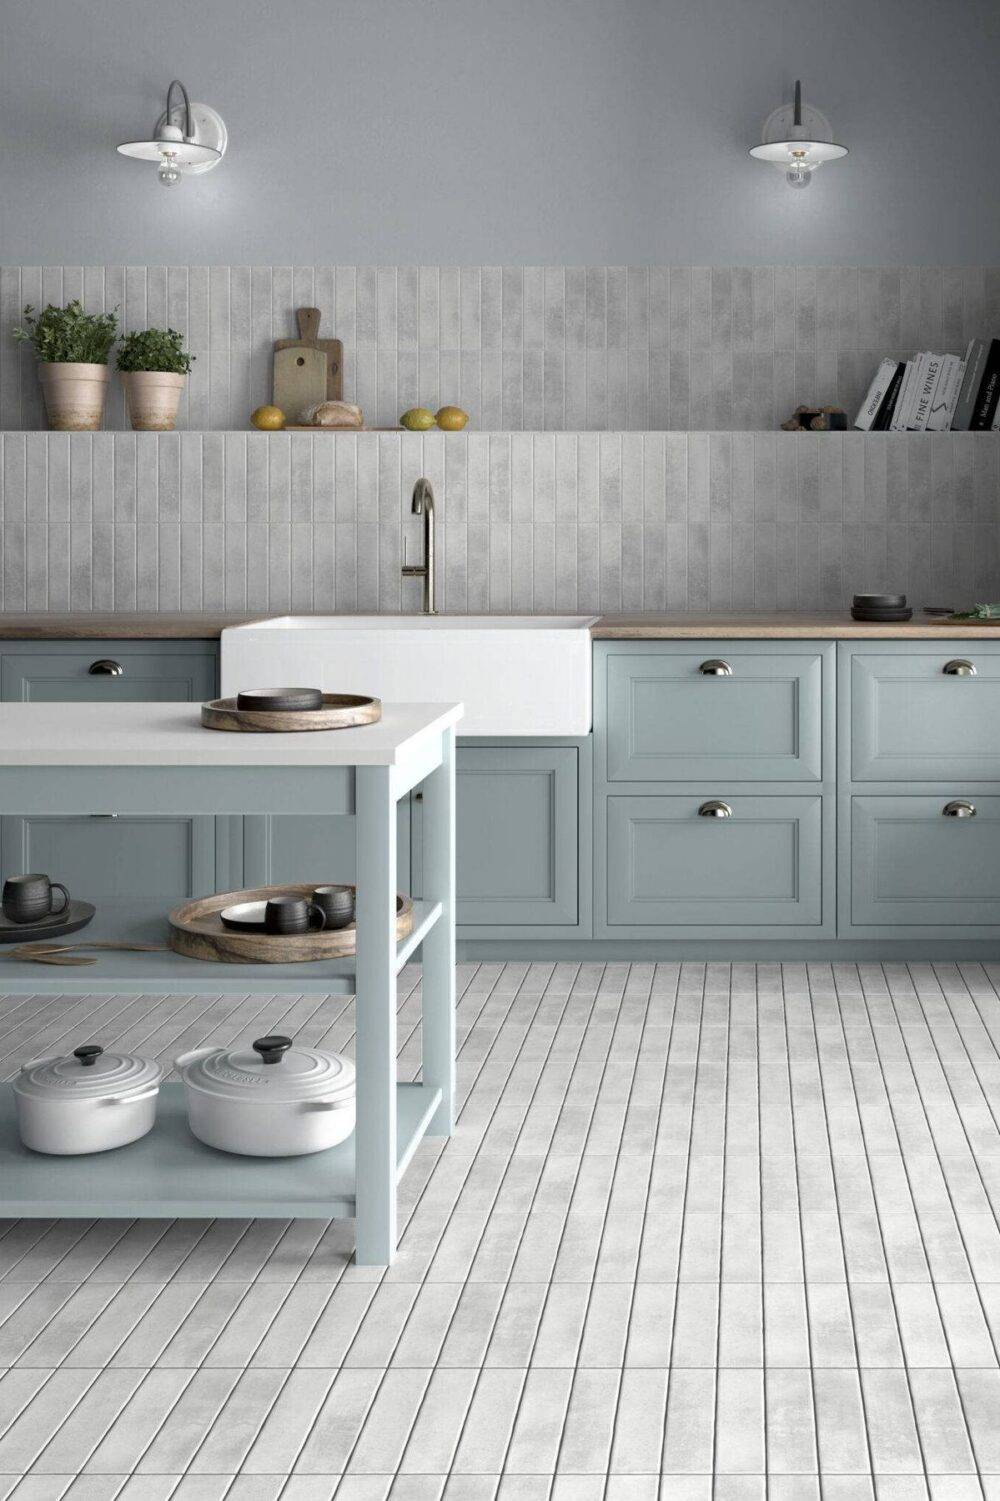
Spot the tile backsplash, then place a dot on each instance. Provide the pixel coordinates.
(526, 521)
(557, 348)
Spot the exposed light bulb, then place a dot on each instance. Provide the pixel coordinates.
(798, 175)
(169, 173)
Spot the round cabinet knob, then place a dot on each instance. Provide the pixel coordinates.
(272, 1049)
(959, 668)
(715, 809)
(106, 667)
(715, 668)
(88, 1055)
(959, 809)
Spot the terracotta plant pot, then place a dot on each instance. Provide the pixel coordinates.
(74, 395)
(153, 397)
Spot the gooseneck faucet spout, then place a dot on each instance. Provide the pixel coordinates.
(423, 505)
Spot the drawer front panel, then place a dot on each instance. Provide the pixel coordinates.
(913, 720)
(914, 867)
(669, 718)
(669, 866)
(146, 673)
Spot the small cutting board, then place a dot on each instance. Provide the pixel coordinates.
(332, 351)
(299, 379)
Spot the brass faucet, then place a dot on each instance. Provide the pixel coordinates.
(423, 505)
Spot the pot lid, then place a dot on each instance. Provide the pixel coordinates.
(271, 1070)
(87, 1073)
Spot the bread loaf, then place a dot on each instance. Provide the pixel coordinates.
(334, 414)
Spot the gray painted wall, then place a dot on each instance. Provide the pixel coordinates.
(516, 131)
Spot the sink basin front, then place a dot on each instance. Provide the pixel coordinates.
(515, 674)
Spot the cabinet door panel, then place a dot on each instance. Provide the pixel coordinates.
(913, 867)
(517, 836)
(116, 862)
(668, 866)
(913, 721)
(670, 720)
(281, 848)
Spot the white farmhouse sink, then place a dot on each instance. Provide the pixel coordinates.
(515, 674)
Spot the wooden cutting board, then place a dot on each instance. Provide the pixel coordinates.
(331, 388)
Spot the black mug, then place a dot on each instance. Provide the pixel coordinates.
(292, 914)
(29, 898)
(336, 904)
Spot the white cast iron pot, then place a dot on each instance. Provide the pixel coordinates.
(271, 1100)
(90, 1102)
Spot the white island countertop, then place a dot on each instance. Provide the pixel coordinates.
(155, 734)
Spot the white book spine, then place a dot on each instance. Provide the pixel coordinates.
(930, 374)
(946, 395)
(876, 393)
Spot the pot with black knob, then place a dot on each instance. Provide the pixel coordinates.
(273, 1099)
(90, 1101)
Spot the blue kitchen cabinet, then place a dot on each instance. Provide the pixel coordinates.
(683, 711)
(285, 848)
(109, 860)
(922, 711)
(925, 864)
(108, 671)
(683, 865)
(523, 820)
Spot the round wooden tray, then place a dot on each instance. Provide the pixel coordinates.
(196, 930)
(340, 711)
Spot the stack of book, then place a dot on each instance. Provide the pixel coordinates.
(933, 392)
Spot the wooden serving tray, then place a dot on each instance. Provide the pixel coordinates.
(196, 931)
(340, 711)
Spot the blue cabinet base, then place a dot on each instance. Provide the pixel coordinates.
(736, 951)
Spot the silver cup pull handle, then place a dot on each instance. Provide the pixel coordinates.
(959, 808)
(959, 667)
(106, 667)
(715, 809)
(715, 668)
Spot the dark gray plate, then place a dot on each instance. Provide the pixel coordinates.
(76, 916)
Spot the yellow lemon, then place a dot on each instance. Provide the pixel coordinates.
(417, 419)
(269, 419)
(451, 419)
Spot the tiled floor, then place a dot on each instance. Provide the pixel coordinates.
(703, 1233)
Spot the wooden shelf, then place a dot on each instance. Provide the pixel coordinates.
(171, 1175)
(173, 974)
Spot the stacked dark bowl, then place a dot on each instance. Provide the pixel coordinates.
(880, 609)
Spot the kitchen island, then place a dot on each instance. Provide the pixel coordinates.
(145, 758)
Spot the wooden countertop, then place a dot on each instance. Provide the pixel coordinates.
(147, 627)
(165, 627)
(782, 627)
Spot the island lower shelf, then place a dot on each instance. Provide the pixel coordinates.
(169, 1174)
(167, 973)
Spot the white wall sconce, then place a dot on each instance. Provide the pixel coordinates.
(797, 139)
(187, 138)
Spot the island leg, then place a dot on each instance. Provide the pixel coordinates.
(438, 983)
(375, 1017)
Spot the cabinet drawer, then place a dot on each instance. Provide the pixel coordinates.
(735, 711)
(914, 717)
(671, 865)
(914, 867)
(109, 671)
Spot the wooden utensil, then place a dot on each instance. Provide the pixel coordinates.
(299, 379)
(330, 388)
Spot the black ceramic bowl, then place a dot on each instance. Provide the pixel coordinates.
(880, 601)
(280, 700)
(882, 617)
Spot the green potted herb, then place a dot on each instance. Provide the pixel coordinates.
(153, 366)
(72, 349)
